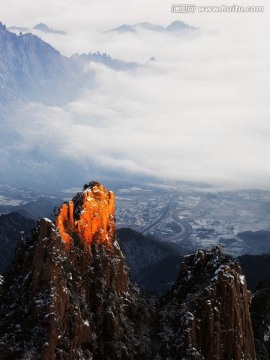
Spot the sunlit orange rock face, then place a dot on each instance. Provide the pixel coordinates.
(91, 216)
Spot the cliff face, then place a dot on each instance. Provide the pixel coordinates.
(93, 218)
(68, 296)
(206, 313)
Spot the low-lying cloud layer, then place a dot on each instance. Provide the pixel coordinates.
(200, 112)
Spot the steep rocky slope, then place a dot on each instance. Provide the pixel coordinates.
(206, 313)
(68, 296)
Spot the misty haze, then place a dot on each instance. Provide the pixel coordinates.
(135, 181)
(171, 102)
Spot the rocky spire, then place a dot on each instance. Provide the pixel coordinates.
(206, 314)
(90, 214)
(67, 295)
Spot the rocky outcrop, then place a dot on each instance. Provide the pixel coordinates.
(90, 214)
(74, 302)
(206, 313)
(68, 297)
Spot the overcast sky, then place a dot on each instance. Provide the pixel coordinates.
(200, 112)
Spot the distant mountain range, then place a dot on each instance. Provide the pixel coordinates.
(33, 73)
(174, 27)
(45, 28)
(105, 59)
(40, 207)
(32, 70)
(257, 242)
(39, 27)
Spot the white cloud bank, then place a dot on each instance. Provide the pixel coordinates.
(201, 112)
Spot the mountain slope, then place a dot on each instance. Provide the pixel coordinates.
(68, 299)
(32, 70)
(257, 242)
(205, 315)
(175, 27)
(153, 264)
(68, 296)
(34, 209)
(13, 226)
(105, 59)
(38, 88)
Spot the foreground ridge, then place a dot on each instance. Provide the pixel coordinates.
(67, 296)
